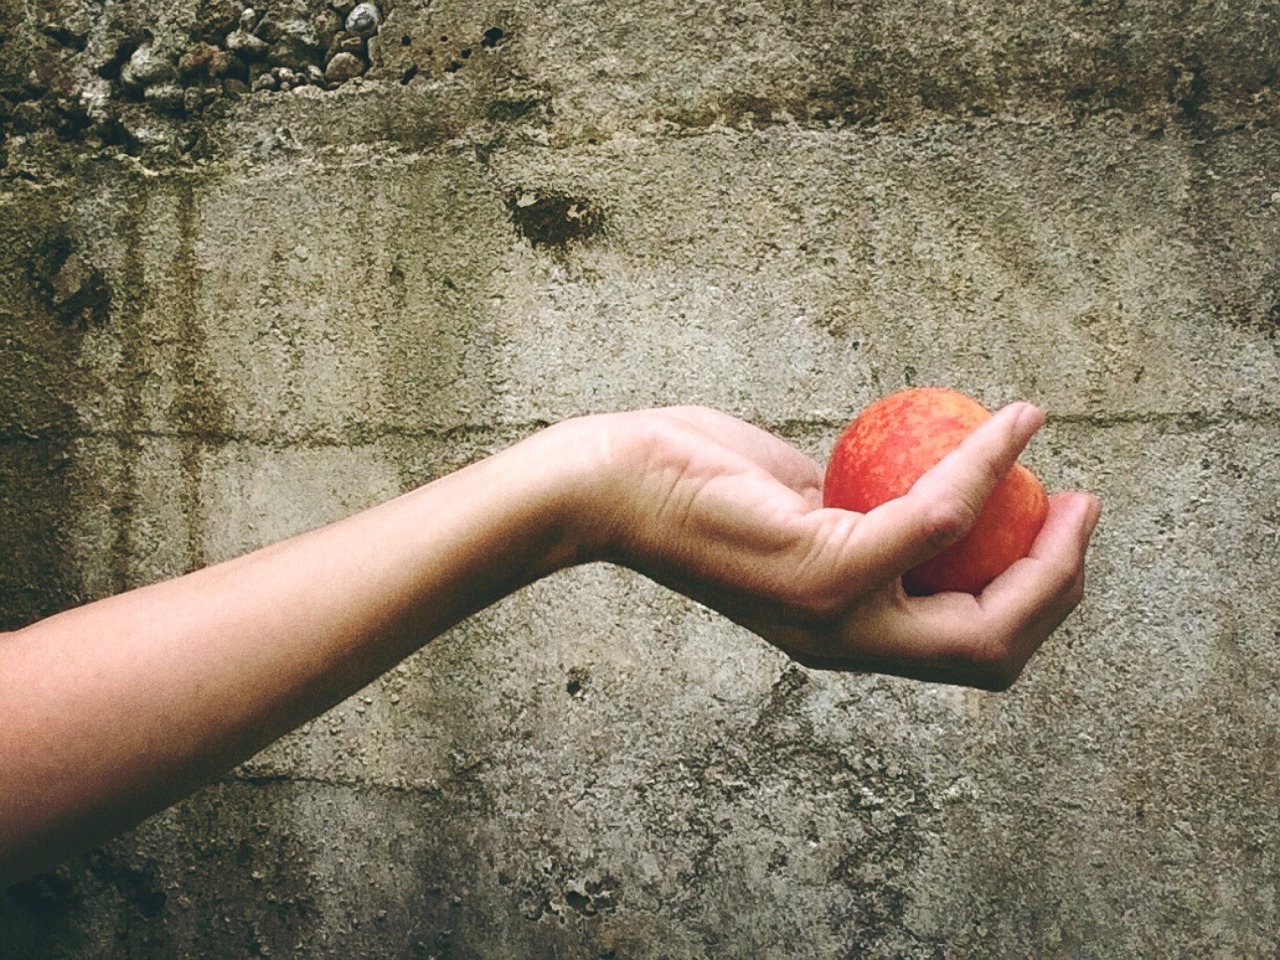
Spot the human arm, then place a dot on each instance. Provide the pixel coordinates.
(111, 711)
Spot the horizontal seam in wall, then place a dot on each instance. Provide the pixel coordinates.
(1190, 420)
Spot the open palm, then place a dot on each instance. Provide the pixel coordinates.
(731, 516)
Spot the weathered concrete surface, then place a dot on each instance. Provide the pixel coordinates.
(225, 324)
(328, 298)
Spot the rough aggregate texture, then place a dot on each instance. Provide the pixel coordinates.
(240, 297)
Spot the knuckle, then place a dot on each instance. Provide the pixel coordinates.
(993, 665)
(1075, 593)
(945, 520)
(1067, 583)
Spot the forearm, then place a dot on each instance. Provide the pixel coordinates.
(111, 711)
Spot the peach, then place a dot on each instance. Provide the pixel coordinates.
(893, 442)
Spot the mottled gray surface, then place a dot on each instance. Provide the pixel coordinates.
(233, 315)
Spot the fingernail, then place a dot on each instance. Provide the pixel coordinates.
(1030, 417)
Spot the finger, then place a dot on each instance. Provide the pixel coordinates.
(943, 504)
(986, 641)
(784, 462)
(957, 638)
(1046, 586)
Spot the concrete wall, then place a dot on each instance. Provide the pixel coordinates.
(229, 313)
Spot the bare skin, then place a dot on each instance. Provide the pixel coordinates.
(112, 711)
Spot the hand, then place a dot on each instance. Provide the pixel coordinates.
(732, 516)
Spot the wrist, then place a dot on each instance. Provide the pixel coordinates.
(588, 457)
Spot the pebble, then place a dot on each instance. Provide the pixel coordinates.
(244, 43)
(70, 279)
(27, 117)
(217, 19)
(268, 29)
(224, 62)
(146, 67)
(343, 67)
(364, 20)
(206, 59)
(95, 99)
(147, 134)
(196, 59)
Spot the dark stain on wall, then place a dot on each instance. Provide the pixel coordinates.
(138, 887)
(555, 220)
(510, 110)
(83, 905)
(879, 793)
(44, 897)
(1271, 322)
(198, 411)
(50, 294)
(73, 289)
(130, 381)
(37, 566)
